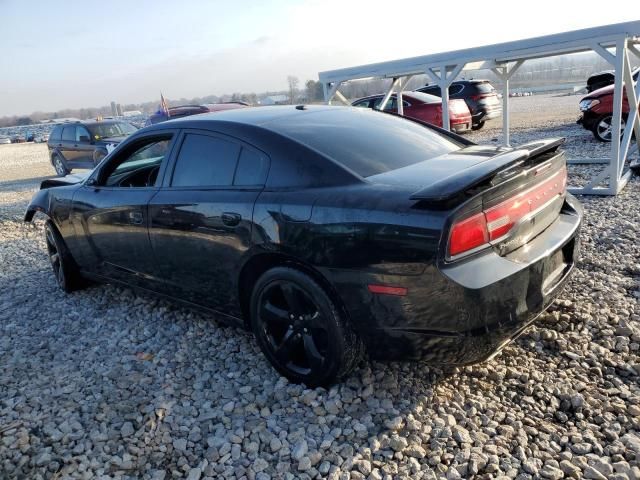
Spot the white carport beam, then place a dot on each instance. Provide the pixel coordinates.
(444, 79)
(633, 119)
(387, 95)
(505, 73)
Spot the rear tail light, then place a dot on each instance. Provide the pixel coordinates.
(497, 221)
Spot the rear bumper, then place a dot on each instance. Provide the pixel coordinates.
(464, 313)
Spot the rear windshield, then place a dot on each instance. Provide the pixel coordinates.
(484, 87)
(367, 142)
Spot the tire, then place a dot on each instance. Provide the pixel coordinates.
(301, 330)
(602, 127)
(477, 126)
(64, 267)
(59, 165)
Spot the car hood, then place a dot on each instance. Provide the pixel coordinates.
(70, 179)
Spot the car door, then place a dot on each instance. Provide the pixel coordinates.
(66, 146)
(110, 211)
(201, 219)
(83, 147)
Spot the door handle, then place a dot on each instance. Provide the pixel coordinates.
(135, 217)
(231, 219)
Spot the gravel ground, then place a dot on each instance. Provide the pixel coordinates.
(104, 383)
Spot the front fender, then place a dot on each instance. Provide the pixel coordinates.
(41, 202)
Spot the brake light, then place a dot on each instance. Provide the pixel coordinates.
(468, 234)
(497, 221)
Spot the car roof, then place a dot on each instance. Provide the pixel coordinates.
(256, 116)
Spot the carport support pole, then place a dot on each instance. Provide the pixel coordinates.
(505, 73)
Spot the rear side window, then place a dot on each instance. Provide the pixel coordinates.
(56, 134)
(252, 168)
(205, 161)
(69, 134)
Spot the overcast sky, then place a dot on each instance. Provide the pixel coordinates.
(71, 54)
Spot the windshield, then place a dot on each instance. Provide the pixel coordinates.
(112, 129)
(368, 142)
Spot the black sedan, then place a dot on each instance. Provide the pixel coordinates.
(328, 231)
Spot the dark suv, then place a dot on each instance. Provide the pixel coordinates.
(480, 96)
(84, 144)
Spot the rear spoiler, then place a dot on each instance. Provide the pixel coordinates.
(466, 179)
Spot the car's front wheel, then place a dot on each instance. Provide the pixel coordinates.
(64, 268)
(59, 165)
(301, 330)
(477, 126)
(602, 127)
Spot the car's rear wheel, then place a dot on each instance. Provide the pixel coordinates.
(64, 268)
(59, 165)
(301, 330)
(603, 126)
(477, 126)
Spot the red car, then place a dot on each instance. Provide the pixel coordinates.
(424, 107)
(597, 112)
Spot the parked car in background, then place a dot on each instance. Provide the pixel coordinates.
(42, 138)
(186, 110)
(426, 108)
(479, 95)
(597, 112)
(84, 144)
(326, 231)
(604, 78)
(5, 140)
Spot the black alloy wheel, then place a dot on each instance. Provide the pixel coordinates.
(299, 329)
(67, 276)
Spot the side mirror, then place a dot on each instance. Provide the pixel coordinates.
(92, 182)
(84, 139)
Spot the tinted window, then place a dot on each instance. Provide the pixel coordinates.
(82, 132)
(138, 167)
(110, 129)
(69, 134)
(205, 161)
(455, 89)
(56, 134)
(252, 168)
(484, 87)
(366, 141)
(362, 103)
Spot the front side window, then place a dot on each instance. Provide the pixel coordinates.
(69, 134)
(205, 161)
(137, 167)
(82, 134)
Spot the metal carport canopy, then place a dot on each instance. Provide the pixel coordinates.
(504, 59)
